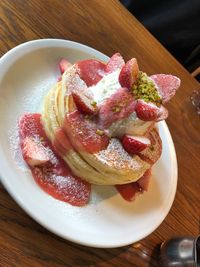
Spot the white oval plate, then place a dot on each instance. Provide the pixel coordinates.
(27, 73)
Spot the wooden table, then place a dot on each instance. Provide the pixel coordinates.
(107, 26)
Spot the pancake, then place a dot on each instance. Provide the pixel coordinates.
(109, 166)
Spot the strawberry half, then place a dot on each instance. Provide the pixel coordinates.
(167, 85)
(129, 73)
(129, 191)
(135, 144)
(64, 64)
(150, 112)
(90, 71)
(34, 153)
(84, 103)
(115, 62)
(152, 153)
(118, 106)
(84, 134)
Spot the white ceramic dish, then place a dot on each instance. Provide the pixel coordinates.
(27, 73)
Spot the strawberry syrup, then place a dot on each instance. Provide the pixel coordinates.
(54, 177)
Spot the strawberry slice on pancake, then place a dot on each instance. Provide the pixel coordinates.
(118, 106)
(91, 71)
(152, 153)
(148, 111)
(129, 73)
(83, 133)
(116, 62)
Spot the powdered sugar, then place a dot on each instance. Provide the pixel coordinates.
(61, 184)
(47, 150)
(116, 157)
(15, 149)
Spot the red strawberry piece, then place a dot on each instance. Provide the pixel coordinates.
(54, 177)
(61, 142)
(83, 133)
(90, 71)
(60, 150)
(129, 73)
(64, 64)
(73, 82)
(153, 152)
(115, 62)
(84, 103)
(135, 144)
(34, 153)
(144, 180)
(167, 85)
(129, 191)
(28, 124)
(150, 112)
(118, 106)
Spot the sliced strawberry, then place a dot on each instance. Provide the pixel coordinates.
(135, 144)
(60, 150)
(64, 64)
(150, 112)
(54, 177)
(28, 124)
(61, 142)
(84, 103)
(129, 191)
(129, 73)
(167, 85)
(118, 106)
(115, 62)
(144, 180)
(91, 71)
(73, 82)
(153, 152)
(33, 151)
(84, 134)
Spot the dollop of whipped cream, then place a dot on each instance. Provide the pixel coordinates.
(107, 86)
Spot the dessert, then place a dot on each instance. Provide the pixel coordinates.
(97, 127)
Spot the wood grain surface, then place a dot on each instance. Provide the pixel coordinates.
(108, 27)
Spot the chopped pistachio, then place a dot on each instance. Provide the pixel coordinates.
(116, 109)
(93, 103)
(146, 90)
(99, 132)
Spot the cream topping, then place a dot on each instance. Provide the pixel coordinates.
(107, 86)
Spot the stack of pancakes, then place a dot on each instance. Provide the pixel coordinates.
(110, 166)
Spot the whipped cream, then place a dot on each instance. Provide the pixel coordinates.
(107, 86)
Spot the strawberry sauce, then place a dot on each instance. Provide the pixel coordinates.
(53, 176)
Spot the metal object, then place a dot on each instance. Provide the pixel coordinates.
(180, 252)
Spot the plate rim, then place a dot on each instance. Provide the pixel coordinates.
(21, 203)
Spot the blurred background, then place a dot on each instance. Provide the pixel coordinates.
(175, 23)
